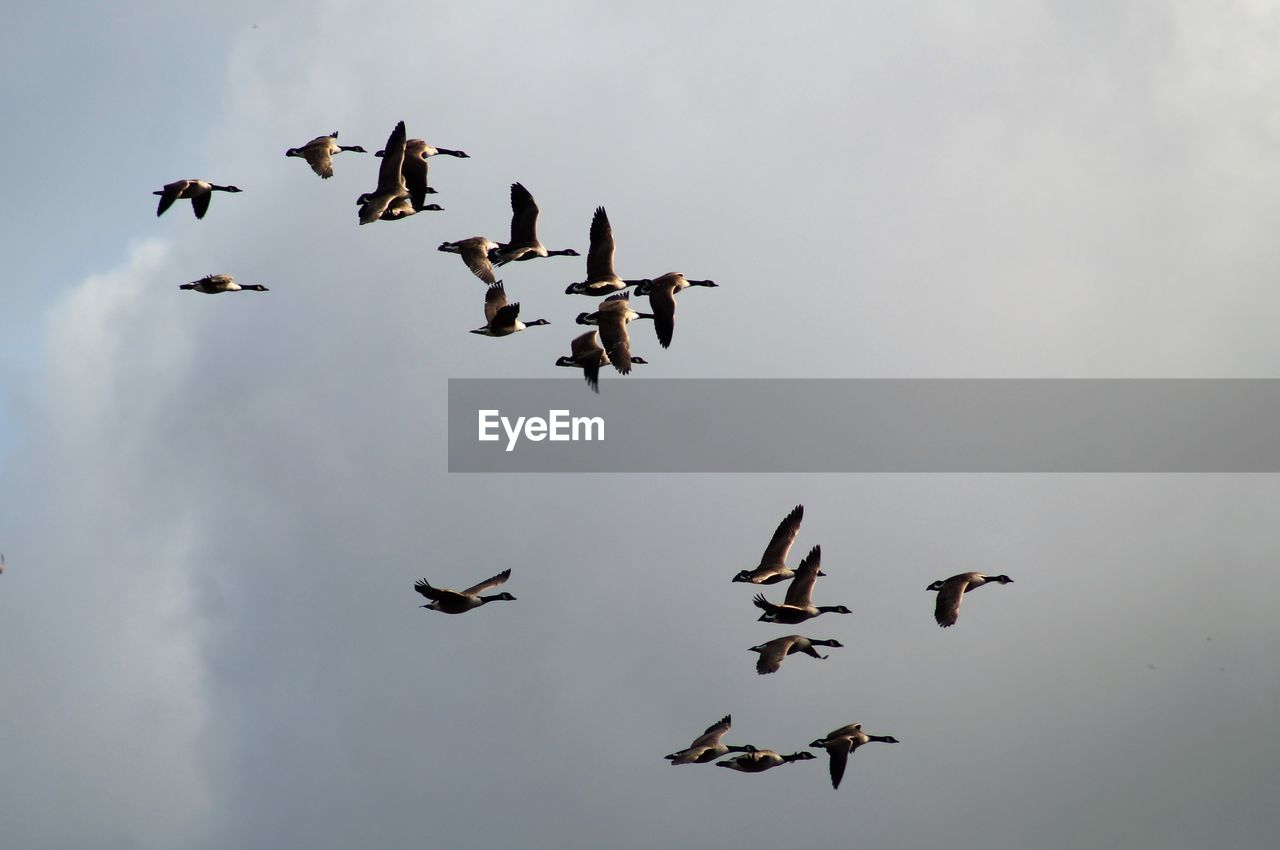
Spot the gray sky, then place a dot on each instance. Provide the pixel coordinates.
(214, 508)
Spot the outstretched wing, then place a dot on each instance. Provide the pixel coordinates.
(714, 733)
(600, 254)
(772, 653)
(775, 554)
(488, 583)
(800, 591)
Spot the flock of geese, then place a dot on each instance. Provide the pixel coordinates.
(797, 607)
(402, 190)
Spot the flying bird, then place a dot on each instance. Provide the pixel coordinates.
(762, 760)
(391, 186)
(475, 253)
(199, 191)
(319, 153)
(662, 301)
(773, 652)
(798, 607)
(952, 590)
(587, 354)
(612, 317)
(601, 279)
(212, 284)
(524, 244)
(707, 747)
(501, 318)
(841, 743)
(461, 601)
(414, 170)
(773, 563)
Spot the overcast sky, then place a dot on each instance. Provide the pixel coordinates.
(214, 508)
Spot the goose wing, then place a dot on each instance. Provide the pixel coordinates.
(495, 298)
(476, 255)
(775, 554)
(947, 609)
(600, 254)
(662, 301)
(839, 751)
(415, 170)
(200, 203)
(317, 154)
(714, 733)
(491, 582)
(169, 194)
(585, 346)
(800, 591)
(524, 217)
(615, 338)
(391, 169)
(772, 653)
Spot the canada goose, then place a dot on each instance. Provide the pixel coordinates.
(403, 208)
(1, 562)
(587, 354)
(707, 747)
(501, 317)
(414, 170)
(773, 567)
(391, 186)
(612, 317)
(475, 253)
(797, 607)
(841, 743)
(772, 653)
(762, 760)
(212, 284)
(952, 590)
(524, 244)
(319, 153)
(601, 279)
(461, 601)
(631, 315)
(662, 300)
(199, 191)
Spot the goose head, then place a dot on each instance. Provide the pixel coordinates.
(743, 575)
(1001, 579)
(640, 361)
(431, 207)
(937, 585)
(832, 642)
(585, 319)
(833, 609)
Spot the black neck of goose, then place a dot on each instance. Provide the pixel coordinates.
(448, 152)
(831, 609)
(884, 739)
(563, 252)
(701, 282)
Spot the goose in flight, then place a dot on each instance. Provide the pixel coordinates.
(587, 354)
(952, 590)
(524, 244)
(707, 747)
(199, 191)
(601, 279)
(841, 743)
(762, 760)
(773, 652)
(475, 253)
(501, 318)
(662, 301)
(798, 607)
(391, 187)
(319, 153)
(461, 601)
(212, 284)
(773, 567)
